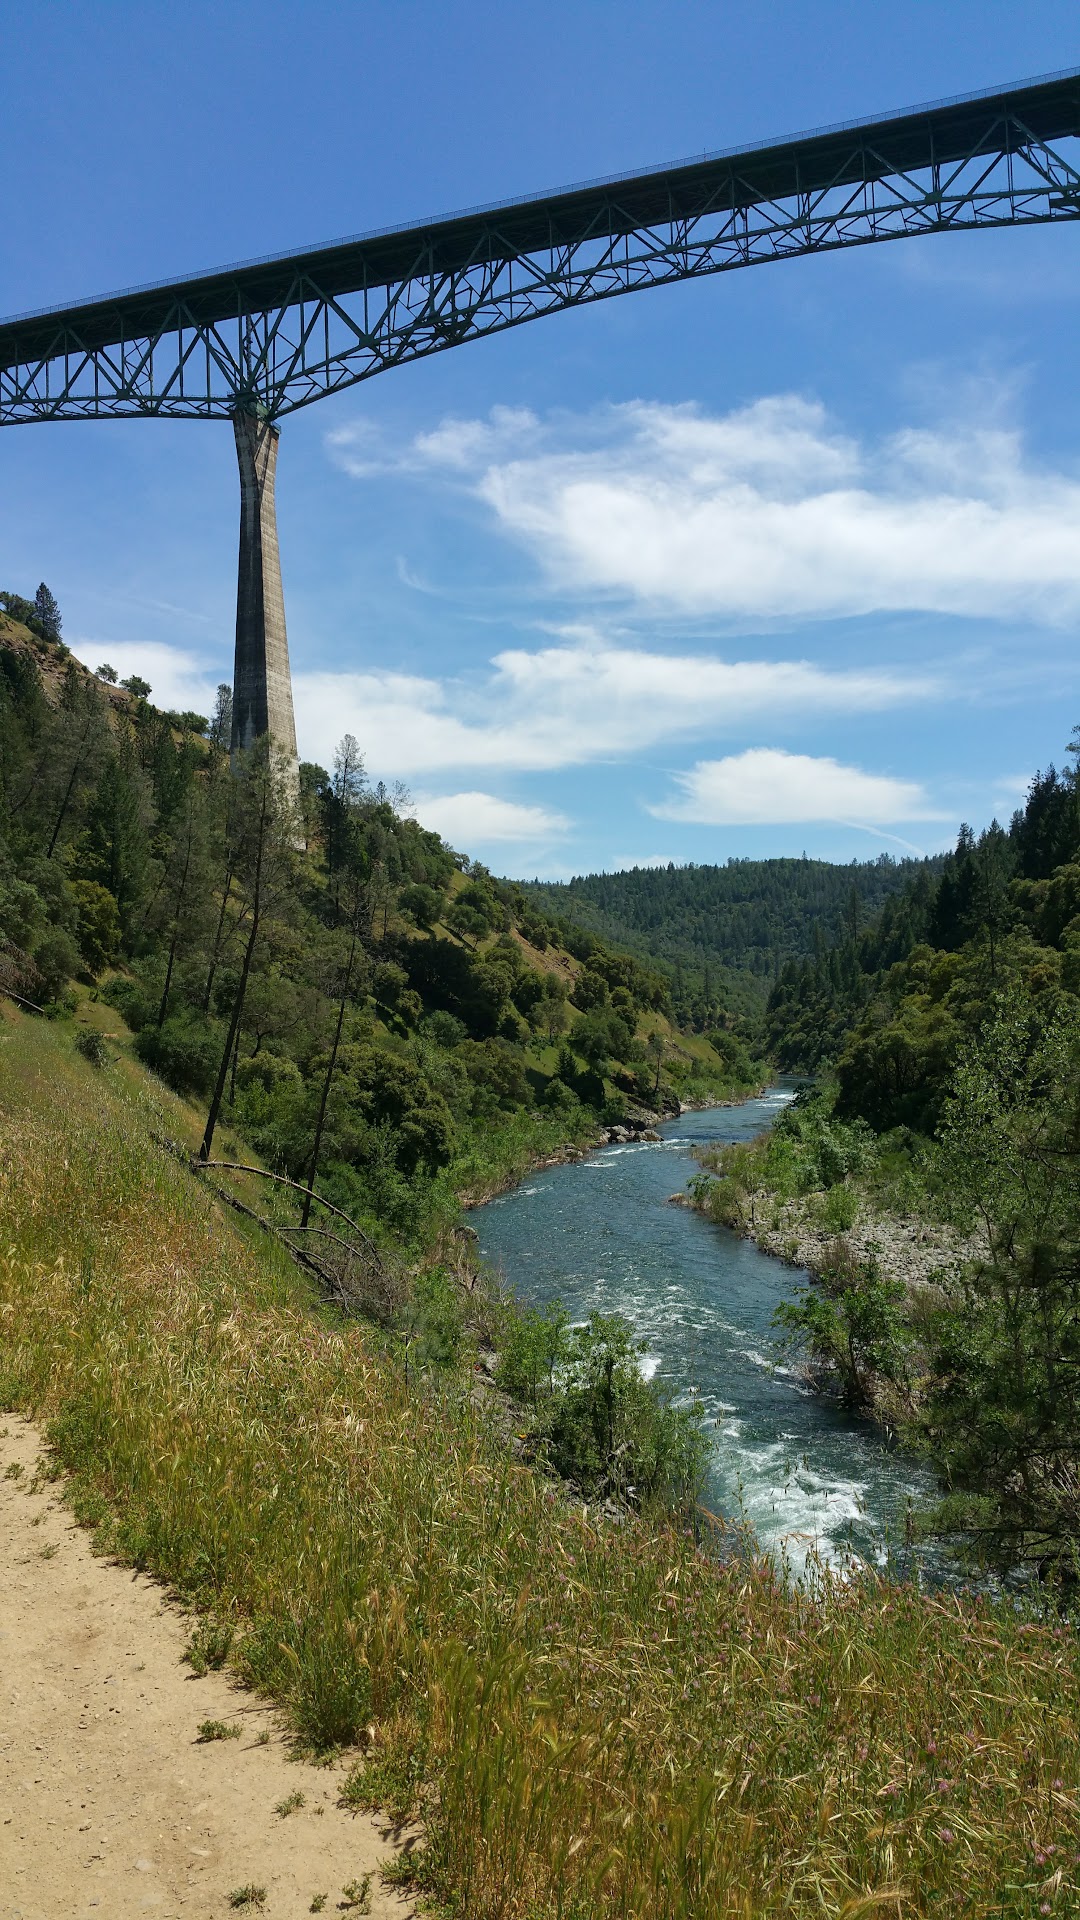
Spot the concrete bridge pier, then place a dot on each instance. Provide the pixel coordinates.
(262, 683)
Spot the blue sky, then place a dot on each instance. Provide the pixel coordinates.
(778, 561)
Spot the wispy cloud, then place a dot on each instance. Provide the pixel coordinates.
(767, 512)
(766, 787)
(559, 706)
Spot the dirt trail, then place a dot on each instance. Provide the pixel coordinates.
(108, 1806)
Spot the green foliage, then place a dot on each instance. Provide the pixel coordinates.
(184, 1051)
(425, 904)
(852, 1323)
(99, 925)
(56, 958)
(48, 613)
(532, 1345)
(598, 1423)
(431, 1323)
(1003, 1417)
(722, 932)
(209, 1646)
(473, 912)
(840, 1209)
(807, 1151)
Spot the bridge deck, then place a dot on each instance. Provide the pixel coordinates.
(941, 135)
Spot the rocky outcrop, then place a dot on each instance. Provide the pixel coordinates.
(630, 1131)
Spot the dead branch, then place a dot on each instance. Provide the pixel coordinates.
(238, 1166)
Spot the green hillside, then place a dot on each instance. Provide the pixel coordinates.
(365, 1008)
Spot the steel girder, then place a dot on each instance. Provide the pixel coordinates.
(201, 348)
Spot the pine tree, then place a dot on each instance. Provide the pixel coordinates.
(220, 733)
(47, 612)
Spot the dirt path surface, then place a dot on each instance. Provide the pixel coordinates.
(109, 1805)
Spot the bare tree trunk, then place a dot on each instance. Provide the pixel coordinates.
(233, 1035)
(235, 1058)
(173, 943)
(216, 951)
(66, 802)
(315, 1151)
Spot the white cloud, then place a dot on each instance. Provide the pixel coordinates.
(767, 512)
(767, 787)
(181, 681)
(558, 706)
(360, 448)
(471, 819)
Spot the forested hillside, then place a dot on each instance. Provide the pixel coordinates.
(368, 1010)
(722, 933)
(946, 1041)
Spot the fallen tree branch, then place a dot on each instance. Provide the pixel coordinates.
(239, 1166)
(17, 997)
(297, 1254)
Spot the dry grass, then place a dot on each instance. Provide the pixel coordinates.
(599, 1721)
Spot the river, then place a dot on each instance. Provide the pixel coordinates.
(600, 1234)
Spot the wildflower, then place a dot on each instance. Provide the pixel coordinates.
(947, 1834)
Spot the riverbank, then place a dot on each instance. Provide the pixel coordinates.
(816, 1195)
(640, 1123)
(919, 1254)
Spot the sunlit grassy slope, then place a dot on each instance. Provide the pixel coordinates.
(599, 1720)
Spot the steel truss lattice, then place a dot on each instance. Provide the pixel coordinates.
(273, 336)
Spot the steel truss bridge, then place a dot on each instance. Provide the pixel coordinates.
(273, 335)
(255, 342)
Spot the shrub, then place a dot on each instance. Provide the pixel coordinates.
(839, 1210)
(56, 958)
(610, 1432)
(134, 999)
(185, 1052)
(91, 1045)
(532, 1344)
(99, 924)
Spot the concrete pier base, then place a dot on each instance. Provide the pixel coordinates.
(262, 683)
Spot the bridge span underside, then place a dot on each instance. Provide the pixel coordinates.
(259, 340)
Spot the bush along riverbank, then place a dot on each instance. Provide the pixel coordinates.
(589, 1719)
(944, 1298)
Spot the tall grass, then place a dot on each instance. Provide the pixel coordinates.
(599, 1720)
